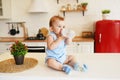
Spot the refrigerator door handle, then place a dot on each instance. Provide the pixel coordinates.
(100, 36)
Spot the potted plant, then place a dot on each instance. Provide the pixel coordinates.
(18, 50)
(105, 13)
(84, 5)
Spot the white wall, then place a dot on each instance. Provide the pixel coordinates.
(74, 20)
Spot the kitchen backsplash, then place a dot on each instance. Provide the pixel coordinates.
(74, 20)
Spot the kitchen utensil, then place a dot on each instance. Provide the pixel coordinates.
(68, 33)
(17, 29)
(13, 31)
(44, 31)
(40, 35)
(57, 1)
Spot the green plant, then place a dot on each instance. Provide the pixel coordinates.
(18, 48)
(84, 4)
(106, 11)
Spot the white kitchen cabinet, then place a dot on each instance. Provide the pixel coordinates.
(5, 9)
(5, 47)
(71, 48)
(80, 47)
(85, 47)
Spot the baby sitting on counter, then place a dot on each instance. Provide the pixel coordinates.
(58, 38)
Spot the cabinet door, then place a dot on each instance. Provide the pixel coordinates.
(85, 47)
(71, 48)
(5, 47)
(5, 9)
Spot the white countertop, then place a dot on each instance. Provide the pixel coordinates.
(100, 67)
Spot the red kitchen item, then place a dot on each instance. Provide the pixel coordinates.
(107, 36)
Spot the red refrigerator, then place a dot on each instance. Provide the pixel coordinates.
(107, 36)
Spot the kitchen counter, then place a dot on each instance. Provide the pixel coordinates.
(80, 39)
(12, 39)
(100, 67)
(76, 39)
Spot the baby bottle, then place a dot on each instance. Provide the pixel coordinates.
(68, 33)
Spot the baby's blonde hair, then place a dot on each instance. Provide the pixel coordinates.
(55, 18)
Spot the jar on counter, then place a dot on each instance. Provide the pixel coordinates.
(74, 7)
(78, 7)
(68, 6)
(63, 8)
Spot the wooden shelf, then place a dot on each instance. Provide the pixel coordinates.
(72, 10)
(64, 11)
(58, 1)
(67, 8)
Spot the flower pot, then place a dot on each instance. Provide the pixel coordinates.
(19, 59)
(84, 7)
(105, 16)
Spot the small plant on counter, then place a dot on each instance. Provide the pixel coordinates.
(105, 14)
(84, 5)
(106, 11)
(18, 50)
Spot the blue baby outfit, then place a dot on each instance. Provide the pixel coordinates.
(59, 53)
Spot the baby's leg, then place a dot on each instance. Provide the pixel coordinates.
(71, 60)
(52, 63)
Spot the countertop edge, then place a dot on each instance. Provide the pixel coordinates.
(13, 39)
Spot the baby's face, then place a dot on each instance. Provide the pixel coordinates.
(58, 26)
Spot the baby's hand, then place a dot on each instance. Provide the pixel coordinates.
(62, 37)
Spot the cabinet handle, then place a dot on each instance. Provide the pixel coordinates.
(78, 44)
(100, 36)
(7, 49)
